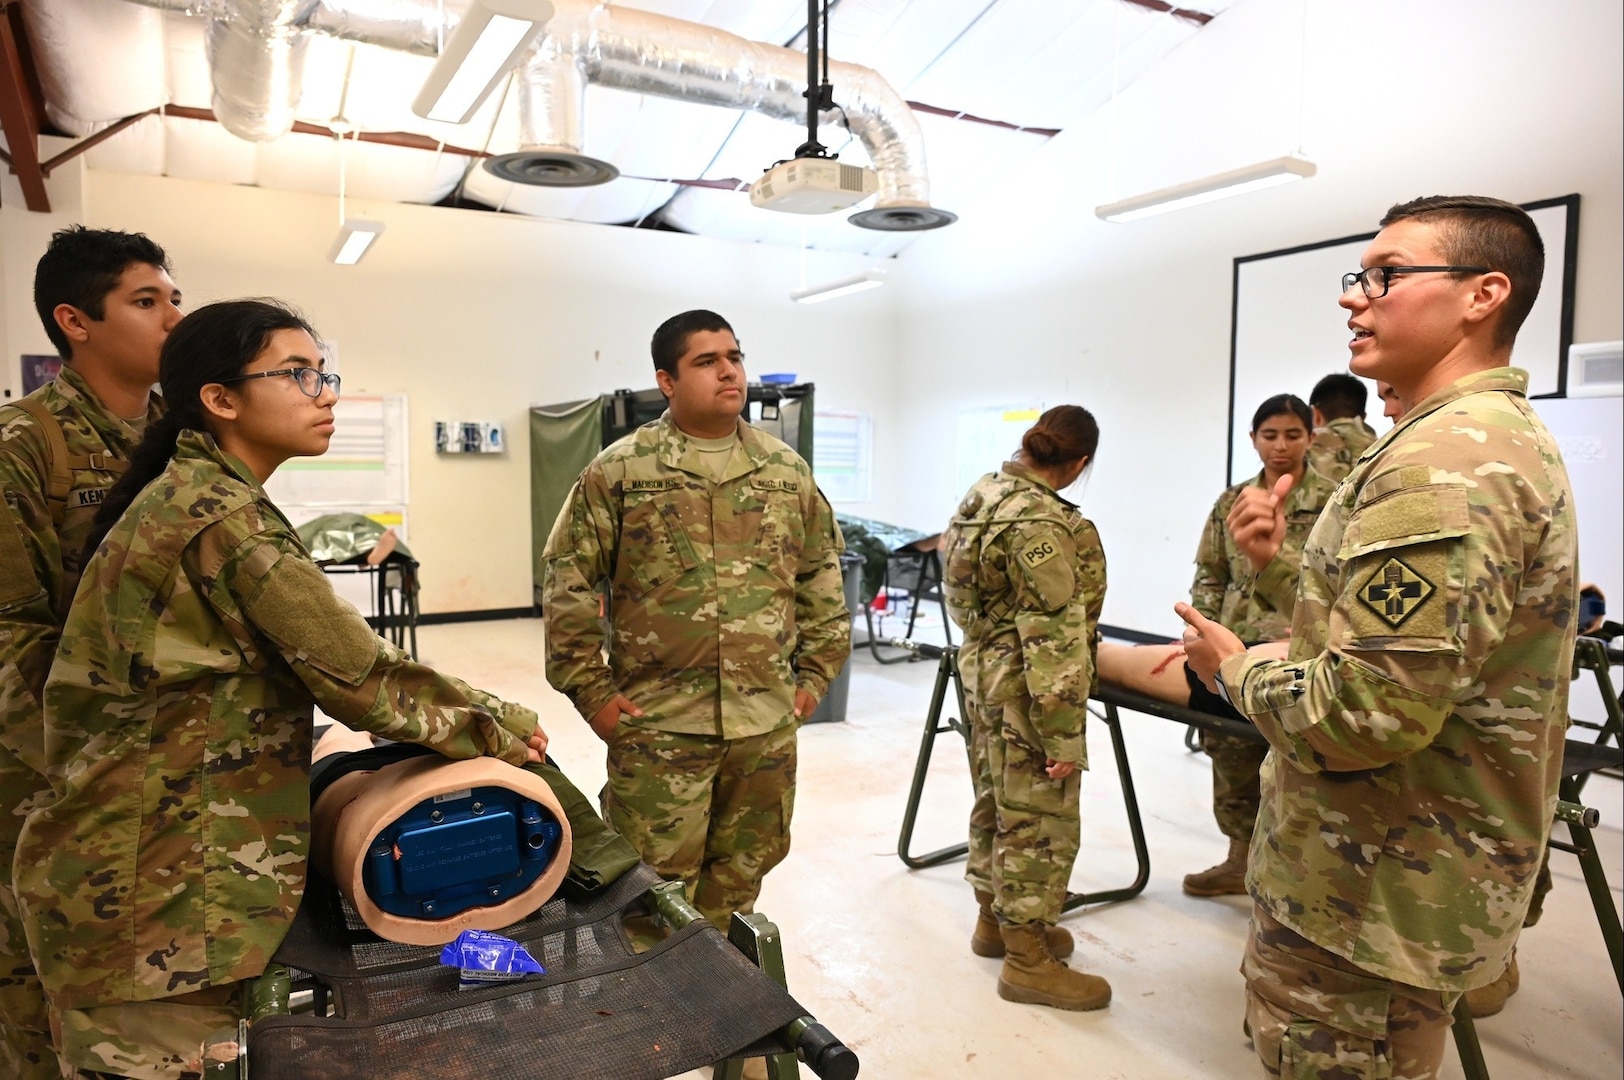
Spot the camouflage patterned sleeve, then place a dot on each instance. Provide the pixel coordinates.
(1211, 565)
(1405, 638)
(1276, 583)
(1052, 596)
(268, 589)
(1091, 590)
(822, 623)
(28, 626)
(579, 556)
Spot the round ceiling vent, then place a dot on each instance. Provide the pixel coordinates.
(551, 168)
(903, 218)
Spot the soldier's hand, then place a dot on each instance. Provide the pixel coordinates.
(1059, 770)
(1206, 644)
(536, 745)
(805, 703)
(1257, 521)
(608, 718)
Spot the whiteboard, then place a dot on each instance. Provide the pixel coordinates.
(364, 466)
(987, 438)
(1287, 330)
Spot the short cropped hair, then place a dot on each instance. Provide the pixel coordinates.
(1281, 404)
(1477, 231)
(671, 339)
(1339, 395)
(80, 267)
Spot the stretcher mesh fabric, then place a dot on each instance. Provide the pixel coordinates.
(600, 1010)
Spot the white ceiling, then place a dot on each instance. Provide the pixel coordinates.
(1034, 63)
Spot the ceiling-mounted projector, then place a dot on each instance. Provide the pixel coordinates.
(812, 185)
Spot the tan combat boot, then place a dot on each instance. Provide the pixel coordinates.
(1228, 878)
(1490, 999)
(1034, 977)
(986, 941)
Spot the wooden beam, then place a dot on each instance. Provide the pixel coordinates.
(1200, 18)
(18, 120)
(91, 140)
(386, 138)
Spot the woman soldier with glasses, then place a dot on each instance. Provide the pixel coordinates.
(168, 862)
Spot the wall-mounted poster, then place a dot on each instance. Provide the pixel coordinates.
(39, 370)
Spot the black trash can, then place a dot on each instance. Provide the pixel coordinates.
(833, 705)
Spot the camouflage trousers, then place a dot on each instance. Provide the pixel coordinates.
(1235, 785)
(25, 1039)
(1025, 828)
(148, 1040)
(710, 812)
(1316, 1016)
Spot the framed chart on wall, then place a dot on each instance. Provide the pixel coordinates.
(1286, 330)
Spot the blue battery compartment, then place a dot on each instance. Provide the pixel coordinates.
(464, 849)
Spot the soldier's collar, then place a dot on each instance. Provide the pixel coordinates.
(1503, 379)
(1022, 471)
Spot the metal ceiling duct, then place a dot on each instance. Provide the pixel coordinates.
(644, 53)
(256, 53)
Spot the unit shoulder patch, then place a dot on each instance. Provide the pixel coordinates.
(1395, 591)
(1038, 552)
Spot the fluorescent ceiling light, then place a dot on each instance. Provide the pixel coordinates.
(482, 50)
(817, 294)
(1265, 174)
(355, 237)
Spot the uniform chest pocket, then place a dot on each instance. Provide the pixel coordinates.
(1404, 572)
(654, 545)
(780, 534)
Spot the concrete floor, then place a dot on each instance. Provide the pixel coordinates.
(880, 953)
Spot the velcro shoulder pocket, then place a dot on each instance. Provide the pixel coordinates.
(1044, 562)
(1411, 515)
(295, 606)
(1404, 571)
(18, 583)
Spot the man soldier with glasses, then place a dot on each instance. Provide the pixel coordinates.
(1416, 726)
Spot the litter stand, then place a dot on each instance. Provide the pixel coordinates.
(947, 672)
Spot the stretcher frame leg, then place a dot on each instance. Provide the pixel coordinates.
(1601, 896)
(1594, 654)
(1466, 1044)
(947, 672)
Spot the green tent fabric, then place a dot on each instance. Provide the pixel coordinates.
(342, 537)
(874, 541)
(563, 440)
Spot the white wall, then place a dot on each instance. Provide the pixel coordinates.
(478, 316)
(1030, 296)
(1027, 300)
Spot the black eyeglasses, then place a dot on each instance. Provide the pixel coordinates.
(1375, 280)
(310, 379)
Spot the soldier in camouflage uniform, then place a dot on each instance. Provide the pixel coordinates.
(168, 860)
(1340, 431)
(1254, 601)
(1024, 575)
(1417, 725)
(728, 621)
(107, 303)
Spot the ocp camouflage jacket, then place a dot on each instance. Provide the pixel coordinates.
(1417, 725)
(724, 597)
(171, 854)
(1024, 574)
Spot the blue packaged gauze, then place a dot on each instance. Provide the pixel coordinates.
(483, 958)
